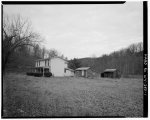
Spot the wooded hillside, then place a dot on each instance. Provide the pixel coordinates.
(129, 60)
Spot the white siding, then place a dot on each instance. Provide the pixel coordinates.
(82, 73)
(42, 63)
(58, 66)
(36, 64)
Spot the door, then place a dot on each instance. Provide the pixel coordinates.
(84, 73)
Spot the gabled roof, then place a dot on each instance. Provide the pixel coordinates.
(83, 68)
(110, 70)
(60, 58)
(51, 58)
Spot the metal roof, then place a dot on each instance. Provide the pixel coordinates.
(110, 70)
(83, 68)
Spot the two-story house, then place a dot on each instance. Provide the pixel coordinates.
(57, 66)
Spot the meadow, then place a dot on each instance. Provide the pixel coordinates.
(27, 96)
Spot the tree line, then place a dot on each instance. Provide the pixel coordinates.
(129, 61)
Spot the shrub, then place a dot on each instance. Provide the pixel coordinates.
(30, 73)
(48, 74)
(38, 74)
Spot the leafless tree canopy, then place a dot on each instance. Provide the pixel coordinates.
(17, 32)
(53, 52)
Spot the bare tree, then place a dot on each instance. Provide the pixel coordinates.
(43, 52)
(140, 47)
(62, 56)
(37, 51)
(17, 32)
(52, 53)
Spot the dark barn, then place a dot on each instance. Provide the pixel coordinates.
(111, 73)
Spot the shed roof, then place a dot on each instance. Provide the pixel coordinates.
(83, 68)
(110, 70)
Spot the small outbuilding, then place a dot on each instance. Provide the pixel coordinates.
(111, 73)
(82, 71)
(85, 72)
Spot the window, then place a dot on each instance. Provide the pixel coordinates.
(64, 70)
(45, 62)
(39, 63)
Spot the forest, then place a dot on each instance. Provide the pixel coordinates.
(129, 61)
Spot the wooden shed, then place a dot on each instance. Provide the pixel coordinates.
(111, 73)
(85, 72)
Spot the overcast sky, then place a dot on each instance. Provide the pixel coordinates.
(85, 30)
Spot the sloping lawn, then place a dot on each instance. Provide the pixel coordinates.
(27, 96)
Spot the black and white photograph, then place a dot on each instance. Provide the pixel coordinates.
(68, 60)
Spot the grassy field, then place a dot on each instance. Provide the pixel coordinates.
(27, 96)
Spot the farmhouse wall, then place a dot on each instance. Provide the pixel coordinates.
(58, 67)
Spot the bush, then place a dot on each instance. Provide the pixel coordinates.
(38, 74)
(48, 74)
(30, 73)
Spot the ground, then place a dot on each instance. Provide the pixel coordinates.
(27, 96)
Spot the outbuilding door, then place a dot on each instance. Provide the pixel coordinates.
(84, 73)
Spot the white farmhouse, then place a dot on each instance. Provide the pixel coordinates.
(57, 66)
